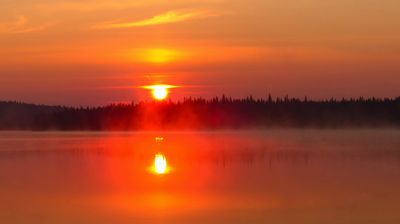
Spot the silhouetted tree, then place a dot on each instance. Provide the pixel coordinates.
(198, 113)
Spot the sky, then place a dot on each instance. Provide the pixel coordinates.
(96, 52)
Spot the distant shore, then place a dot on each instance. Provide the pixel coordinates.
(200, 114)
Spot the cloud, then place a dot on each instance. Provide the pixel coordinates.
(88, 6)
(164, 18)
(20, 25)
(99, 5)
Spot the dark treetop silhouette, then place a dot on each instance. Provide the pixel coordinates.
(217, 113)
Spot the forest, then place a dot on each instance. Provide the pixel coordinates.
(201, 114)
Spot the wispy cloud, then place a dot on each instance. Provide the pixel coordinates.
(100, 5)
(20, 25)
(164, 18)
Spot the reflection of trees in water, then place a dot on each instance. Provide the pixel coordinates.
(249, 157)
(219, 158)
(270, 157)
(73, 152)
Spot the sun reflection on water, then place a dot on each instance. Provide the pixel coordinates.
(160, 164)
(159, 139)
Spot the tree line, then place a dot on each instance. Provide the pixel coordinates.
(197, 113)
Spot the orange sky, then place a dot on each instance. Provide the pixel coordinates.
(94, 52)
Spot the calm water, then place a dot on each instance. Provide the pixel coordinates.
(286, 176)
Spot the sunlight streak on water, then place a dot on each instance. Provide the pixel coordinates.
(235, 177)
(160, 164)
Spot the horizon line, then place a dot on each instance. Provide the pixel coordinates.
(267, 98)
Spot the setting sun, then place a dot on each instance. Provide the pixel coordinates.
(160, 164)
(159, 92)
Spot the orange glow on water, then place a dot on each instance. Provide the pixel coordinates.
(159, 139)
(160, 164)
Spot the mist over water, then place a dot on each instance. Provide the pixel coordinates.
(277, 176)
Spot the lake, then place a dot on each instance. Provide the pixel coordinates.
(274, 176)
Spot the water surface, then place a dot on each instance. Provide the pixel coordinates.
(280, 176)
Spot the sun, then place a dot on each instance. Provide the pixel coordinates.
(160, 164)
(159, 92)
